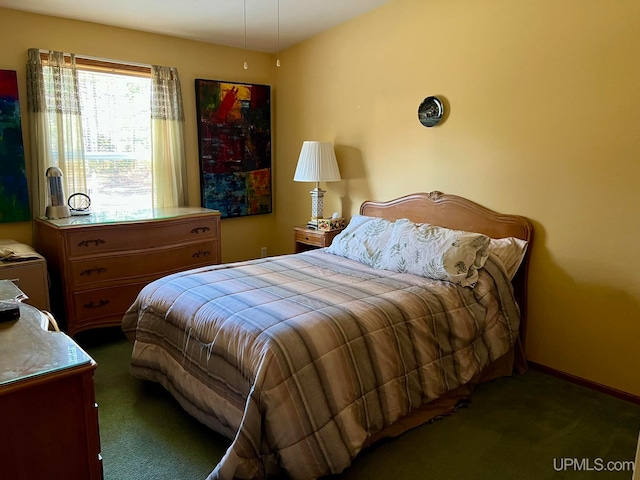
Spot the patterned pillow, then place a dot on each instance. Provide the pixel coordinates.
(510, 251)
(364, 240)
(435, 252)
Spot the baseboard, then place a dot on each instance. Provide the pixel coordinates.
(586, 383)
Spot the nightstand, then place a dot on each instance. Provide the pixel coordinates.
(308, 239)
(31, 277)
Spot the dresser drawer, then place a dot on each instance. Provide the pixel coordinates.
(315, 238)
(310, 237)
(90, 241)
(119, 268)
(91, 305)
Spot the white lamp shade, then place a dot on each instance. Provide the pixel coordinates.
(317, 163)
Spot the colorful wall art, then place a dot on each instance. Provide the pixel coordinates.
(14, 195)
(234, 138)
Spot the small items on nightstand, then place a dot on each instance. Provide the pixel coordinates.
(329, 224)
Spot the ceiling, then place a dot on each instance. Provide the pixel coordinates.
(212, 21)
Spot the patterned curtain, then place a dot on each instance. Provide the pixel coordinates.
(56, 125)
(169, 185)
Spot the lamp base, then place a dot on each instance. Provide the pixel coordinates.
(317, 206)
(56, 212)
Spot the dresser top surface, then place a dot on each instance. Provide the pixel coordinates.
(127, 216)
(27, 350)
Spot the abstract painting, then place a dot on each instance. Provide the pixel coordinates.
(14, 195)
(234, 140)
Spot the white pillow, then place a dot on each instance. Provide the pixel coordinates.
(510, 251)
(364, 239)
(435, 252)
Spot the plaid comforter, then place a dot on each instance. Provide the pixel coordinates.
(299, 359)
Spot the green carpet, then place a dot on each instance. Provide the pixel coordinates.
(525, 427)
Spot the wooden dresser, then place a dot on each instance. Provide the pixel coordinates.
(99, 263)
(48, 414)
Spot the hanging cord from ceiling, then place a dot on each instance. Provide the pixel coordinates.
(244, 14)
(278, 42)
(244, 18)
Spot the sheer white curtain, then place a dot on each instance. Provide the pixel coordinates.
(56, 125)
(57, 137)
(167, 147)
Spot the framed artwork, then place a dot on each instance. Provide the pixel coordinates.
(14, 195)
(234, 142)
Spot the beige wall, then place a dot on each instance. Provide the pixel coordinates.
(544, 110)
(543, 105)
(241, 237)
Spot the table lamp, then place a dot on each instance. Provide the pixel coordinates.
(317, 163)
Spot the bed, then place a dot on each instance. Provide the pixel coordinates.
(303, 360)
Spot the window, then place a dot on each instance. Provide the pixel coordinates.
(116, 131)
(115, 107)
(116, 123)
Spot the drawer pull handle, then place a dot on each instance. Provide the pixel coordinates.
(198, 229)
(201, 253)
(101, 303)
(90, 271)
(86, 243)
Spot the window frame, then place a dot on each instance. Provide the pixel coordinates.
(103, 65)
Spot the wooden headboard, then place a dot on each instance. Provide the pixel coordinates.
(458, 213)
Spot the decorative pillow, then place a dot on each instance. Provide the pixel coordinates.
(435, 252)
(364, 240)
(510, 251)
